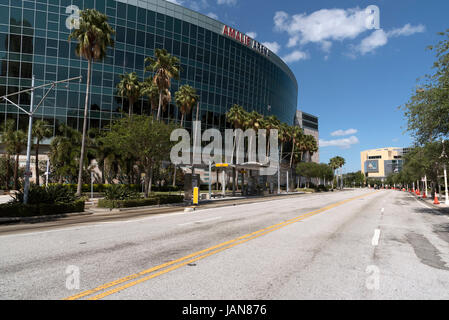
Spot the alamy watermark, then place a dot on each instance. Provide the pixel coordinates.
(232, 148)
(72, 281)
(73, 20)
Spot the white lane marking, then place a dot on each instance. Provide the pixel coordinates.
(375, 240)
(199, 221)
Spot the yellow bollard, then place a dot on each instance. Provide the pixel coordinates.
(196, 194)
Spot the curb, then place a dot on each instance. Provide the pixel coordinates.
(43, 218)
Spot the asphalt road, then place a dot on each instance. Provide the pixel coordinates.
(358, 244)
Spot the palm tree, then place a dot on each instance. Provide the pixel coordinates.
(296, 135)
(335, 163)
(150, 89)
(7, 138)
(165, 66)
(311, 145)
(94, 36)
(63, 152)
(19, 143)
(130, 87)
(186, 98)
(41, 130)
(283, 137)
(271, 122)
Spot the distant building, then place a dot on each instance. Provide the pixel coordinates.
(309, 123)
(380, 163)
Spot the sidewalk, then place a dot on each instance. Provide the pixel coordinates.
(430, 201)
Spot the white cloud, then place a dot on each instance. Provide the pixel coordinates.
(198, 5)
(273, 46)
(406, 30)
(251, 34)
(176, 1)
(228, 2)
(295, 56)
(380, 38)
(322, 25)
(342, 143)
(212, 15)
(340, 132)
(377, 39)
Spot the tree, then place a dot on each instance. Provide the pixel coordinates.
(186, 98)
(130, 87)
(7, 138)
(427, 111)
(296, 135)
(64, 156)
(335, 163)
(94, 36)
(150, 89)
(19, 142)
(148, 141)
(41, 130)
(165, 67)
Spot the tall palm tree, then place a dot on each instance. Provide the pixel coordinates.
(94, 36)
(271, 122)
(165, 67)
(296, 134)
(186, 98)
(130, 88)
(335, 163)
(19, 143)
(7, 138)
(283, 137)
(311, 145)
(150, 90)
(41, 130)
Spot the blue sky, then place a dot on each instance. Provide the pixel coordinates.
(351, 77)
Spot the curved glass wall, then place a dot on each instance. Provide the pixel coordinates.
(33, 40)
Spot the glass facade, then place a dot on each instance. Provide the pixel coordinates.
(34, 40)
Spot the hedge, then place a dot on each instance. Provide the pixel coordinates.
(135, 187)
(157, 200)
(29, 210)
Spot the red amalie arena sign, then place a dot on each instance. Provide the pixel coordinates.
(244, 39)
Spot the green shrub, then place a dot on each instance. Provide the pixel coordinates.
(130, 203)
(16, 209)
(42, 194)
(322, 187)
(120, 192)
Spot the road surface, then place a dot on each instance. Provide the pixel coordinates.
(355, 244)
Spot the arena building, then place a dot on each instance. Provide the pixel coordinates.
(225, 66)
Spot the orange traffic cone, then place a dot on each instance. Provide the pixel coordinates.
(435, 201)
(417, 192)
(424, 194)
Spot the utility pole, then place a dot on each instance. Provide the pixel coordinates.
(30, 114)
(30, 128)
(444, 158)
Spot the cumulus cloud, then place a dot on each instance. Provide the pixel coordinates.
(228, 2)
(344, 143)
(273, 46)
(380, 38)
(340, 133)
(295, 56)
(406, 30)
(377, 39)
(251, 34)
(322, 25)
(212, 15)
(180, 2)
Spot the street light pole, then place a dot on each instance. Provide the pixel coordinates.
(30, 128)
(444, 158)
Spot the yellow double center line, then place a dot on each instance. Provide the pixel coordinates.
(178, 263)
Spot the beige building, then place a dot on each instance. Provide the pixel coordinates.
(380, 163)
